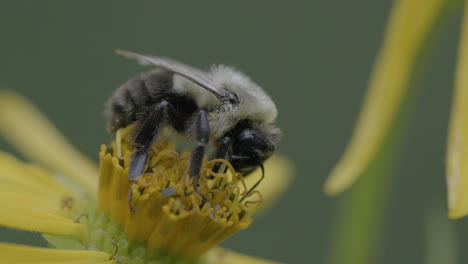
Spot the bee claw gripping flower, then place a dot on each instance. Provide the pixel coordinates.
(156, 218)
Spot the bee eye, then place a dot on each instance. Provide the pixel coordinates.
(233, 99)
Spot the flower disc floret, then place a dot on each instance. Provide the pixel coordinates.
(162, 209)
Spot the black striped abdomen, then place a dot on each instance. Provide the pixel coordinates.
(135, 99)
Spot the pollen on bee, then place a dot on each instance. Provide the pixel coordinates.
(161, 208)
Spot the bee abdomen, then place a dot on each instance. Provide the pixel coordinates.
(133, 100)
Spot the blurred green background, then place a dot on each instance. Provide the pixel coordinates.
(312, 57)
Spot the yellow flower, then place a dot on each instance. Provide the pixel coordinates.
(410, 23)
(84, 212)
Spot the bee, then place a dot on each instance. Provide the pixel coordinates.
(222, 107)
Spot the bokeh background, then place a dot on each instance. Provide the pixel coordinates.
(312, 57)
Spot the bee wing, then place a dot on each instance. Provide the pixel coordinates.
(197, 76)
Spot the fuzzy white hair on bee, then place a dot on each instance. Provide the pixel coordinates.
(254, 102)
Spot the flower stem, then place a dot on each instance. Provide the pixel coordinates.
(356, 238)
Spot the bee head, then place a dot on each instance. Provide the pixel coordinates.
(252, 145)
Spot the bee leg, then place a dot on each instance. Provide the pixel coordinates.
(202, 135)
(222, 147)
(222, 152)
(137, 163)
(145, 137)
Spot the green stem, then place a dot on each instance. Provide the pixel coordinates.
(360, 220)
(440, 236)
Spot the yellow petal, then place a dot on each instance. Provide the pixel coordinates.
(32, 134)
(457, 152)
(224, 256)
(32, 200)
(11, 254)
(17, 174)
(410, 22)
(35, 186)
(15, 214)
(279, 174)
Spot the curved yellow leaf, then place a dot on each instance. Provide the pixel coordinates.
(457, 149)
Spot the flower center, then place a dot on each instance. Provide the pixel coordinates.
(161, 210)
